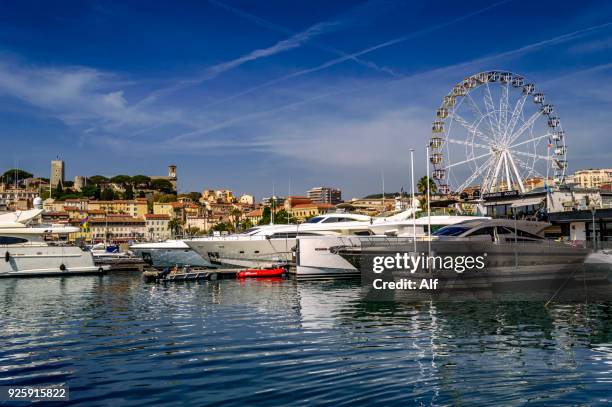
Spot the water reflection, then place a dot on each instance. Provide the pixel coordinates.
(253, 342)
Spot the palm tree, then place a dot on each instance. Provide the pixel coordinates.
(236, 214)
(422, 184)
(175, 226)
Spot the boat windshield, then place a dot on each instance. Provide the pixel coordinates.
(250, 231)
(316, 219)
(451, 231)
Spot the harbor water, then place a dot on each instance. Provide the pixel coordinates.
(114, 340)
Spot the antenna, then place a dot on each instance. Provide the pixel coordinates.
(382, 174)
(272, 202)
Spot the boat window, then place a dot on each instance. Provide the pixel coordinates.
(6, 240)
(316, 219)
(332, 219)
(488, 231)
(363, 233)
(502, 230)
(522, 233)
(291, 235)
(451, 231)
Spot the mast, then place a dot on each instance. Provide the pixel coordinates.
(412, 197)
(428, 209)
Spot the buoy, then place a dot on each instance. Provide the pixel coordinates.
(255, 273)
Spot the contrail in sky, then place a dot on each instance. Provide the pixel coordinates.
(518, 51)
(353, 56)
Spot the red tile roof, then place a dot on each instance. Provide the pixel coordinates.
(157, 216)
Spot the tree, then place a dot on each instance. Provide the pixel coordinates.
(98, 179)
(265, 216)
(11, 175)
(107, 195)
(89, 191)
(121, 179)
(223, 227)
(129, 192)
(141, 181)
(246, 224)
(162, 185)
(195, 196)
(194, 231)
(164, 198)
(59, 191)
(236, 214)
(282, 217)
(422, 184)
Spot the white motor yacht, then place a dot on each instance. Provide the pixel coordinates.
(265, 245)
(168, 253)
(313, 258)
(26, 251)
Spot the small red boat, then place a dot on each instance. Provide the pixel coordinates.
(255, 273)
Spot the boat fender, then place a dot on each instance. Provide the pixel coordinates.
(100, 269)
(62, 267)
(7, 256)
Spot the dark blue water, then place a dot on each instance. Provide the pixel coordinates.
(117, 341)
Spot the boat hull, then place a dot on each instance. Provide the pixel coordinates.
(244, 253)
(170, 257)
(30, 261)
(504, 263)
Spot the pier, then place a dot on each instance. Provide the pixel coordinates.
(192, 275)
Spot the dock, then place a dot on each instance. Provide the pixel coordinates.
(122, 263)
(193, 275)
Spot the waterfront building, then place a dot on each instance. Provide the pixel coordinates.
(55, 217)
(53, 205)
(17, 198)
(246, 199)
(370, 206)
(301, 212)
(57, 173)
(136, 207)
(203, 223)
(156, 226)
(292, 201)
(79, 203)
(117, 228)
(163, 208)
(592, 178)
(254, 216)
(325, 195)
(278, 201)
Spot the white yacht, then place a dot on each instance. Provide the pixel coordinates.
(168, 254)
(314, 259)
(26, 251)
(264, 245)
(513, 251)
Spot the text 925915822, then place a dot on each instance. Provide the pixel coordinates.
(34, 393)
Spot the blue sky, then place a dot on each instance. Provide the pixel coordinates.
(246, 95)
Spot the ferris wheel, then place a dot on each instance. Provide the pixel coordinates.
(492, 132)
